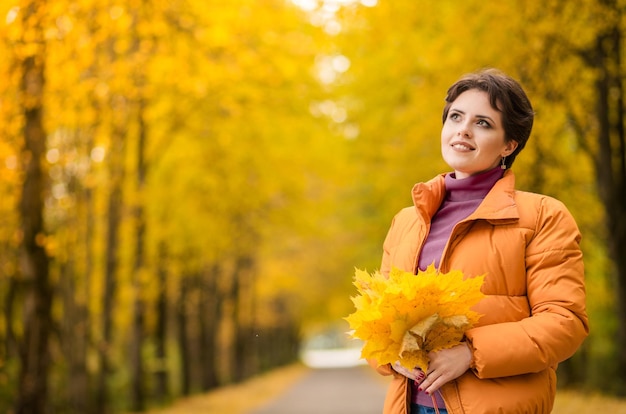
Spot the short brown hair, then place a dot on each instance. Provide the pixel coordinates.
(506, 96)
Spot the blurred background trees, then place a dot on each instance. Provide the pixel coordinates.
(188, 185)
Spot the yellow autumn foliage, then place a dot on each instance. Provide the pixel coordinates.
(406, 316)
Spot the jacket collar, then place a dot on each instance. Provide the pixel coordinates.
(499, 204)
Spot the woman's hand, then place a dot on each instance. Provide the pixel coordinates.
(415, 374)
(446, 365)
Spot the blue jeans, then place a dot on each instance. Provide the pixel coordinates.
(420, 409)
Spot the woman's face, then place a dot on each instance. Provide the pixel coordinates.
(472, 137)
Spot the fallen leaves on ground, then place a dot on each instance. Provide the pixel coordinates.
(238, 398)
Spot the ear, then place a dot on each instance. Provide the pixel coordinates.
(509, 148)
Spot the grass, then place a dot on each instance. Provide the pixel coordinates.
(244, 397)
(570, 401)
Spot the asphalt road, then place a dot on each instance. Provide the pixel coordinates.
(354, 390)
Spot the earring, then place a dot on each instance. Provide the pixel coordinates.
(503, 165)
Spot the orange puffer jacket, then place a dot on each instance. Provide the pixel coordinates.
(527, 245)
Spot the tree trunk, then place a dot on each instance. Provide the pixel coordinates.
(183, 345)
(618, 215)
(242, 294)
(34, 262)
(89, 223)
(235, 365)
(138, 391)
(610, 168)
(209, 319)
(74, 340)
(74, 285)
(161, 374)
(116, 165)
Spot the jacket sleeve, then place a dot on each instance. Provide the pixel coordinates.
(382, 369)
(402, 242)
(390, 243)
(558, 323)
(385, 265)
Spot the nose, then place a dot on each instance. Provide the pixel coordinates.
(464, 131)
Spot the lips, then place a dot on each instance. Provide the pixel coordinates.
(462, 146)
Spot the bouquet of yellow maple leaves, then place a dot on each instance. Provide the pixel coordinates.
(406, 316)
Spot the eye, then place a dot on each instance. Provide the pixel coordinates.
(454, 116)
(484, 123)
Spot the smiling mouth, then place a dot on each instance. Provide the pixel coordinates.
(461, 146)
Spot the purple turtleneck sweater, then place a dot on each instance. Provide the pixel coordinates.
(463, 196)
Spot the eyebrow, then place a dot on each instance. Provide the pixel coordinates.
(477, 116)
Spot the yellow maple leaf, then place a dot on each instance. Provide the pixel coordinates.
(406, 316)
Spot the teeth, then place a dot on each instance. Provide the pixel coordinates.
(461, 146)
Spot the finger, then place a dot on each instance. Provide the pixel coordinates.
(414, 374)
(398, 368)
(429, 385)
(402, 371)
(434, 387)
(419, 376)
(425, 383)
(432, 367)
(433, 381)
(410, 374)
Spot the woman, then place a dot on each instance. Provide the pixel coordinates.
(526, 244)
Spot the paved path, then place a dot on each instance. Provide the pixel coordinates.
(354, 390)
